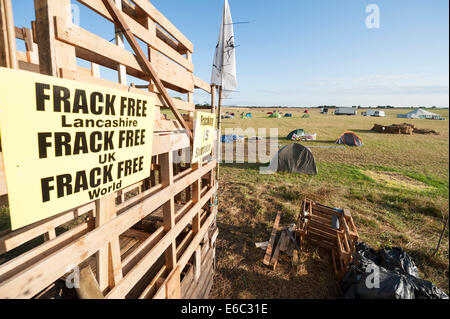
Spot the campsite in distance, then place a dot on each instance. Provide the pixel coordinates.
(395, 185)
(145, 157)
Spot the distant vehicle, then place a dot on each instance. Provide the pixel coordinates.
(323, 110)
(374, 113)
(346, 111)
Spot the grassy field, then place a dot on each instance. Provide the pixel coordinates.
(396, 186)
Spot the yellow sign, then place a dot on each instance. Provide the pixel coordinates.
(67, 143)
(204, 135)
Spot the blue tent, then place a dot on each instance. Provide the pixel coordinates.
(231, 138)
(248, 115)
(288, 115)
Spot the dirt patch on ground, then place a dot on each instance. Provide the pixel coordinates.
(240, 272)
(398, 180)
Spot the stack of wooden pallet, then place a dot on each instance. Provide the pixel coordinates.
(330, 228)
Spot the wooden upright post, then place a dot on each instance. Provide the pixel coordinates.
(166, 165)
(109, 264)
(7, 36)
(53, 54)
(219, 130)
(122, 71)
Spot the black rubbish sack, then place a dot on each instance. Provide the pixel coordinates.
(389, 273)
(397, 259)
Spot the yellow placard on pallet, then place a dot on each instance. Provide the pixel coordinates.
(66, 143)
(204, 135)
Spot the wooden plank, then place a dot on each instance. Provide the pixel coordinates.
(32, 256)
(7, 36)
(268, 255)
(197, 263)
(146, 34)
(14, 239)
(200, 84)
(173, 285)
(72, 75)
(109, 265)
(284, 242)
(88, 288)
(137, 254)
(93, 48)
(145, 64)
(53, 54)
(207, 271)
(187, 281)
(25, 284)
(159, 18)
(276, 254)
(150, 290)
(138, 271)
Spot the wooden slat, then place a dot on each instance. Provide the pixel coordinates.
(200, 84)
(273, 236)
(173, 284)
(26, 284)
(93, 48)
(276, 254)
(139, 270)
(22, 235)
(89, 288)
(159, 18)
(34, 255)
(149, 36)
(53, 54)
(150, 290)
(67, 74)
(118, 19)
(7, 36)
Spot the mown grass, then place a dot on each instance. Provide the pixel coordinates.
(385, 214)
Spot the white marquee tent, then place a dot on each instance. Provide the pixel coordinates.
(421, 114)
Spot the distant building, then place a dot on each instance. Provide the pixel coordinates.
(346, 111)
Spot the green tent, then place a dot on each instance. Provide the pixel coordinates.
(300, 131)
(275, 115)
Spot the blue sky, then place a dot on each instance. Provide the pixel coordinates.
(315, 52)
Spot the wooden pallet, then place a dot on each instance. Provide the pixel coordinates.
(315, 224)
(100, 233)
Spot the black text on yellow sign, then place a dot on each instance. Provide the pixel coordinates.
(204, 135)
(66, 143)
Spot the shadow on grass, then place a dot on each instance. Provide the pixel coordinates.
(246, 166)
(240, 265)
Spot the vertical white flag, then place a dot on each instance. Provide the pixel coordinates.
(224, 65)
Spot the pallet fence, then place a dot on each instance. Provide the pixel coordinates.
(155, 239)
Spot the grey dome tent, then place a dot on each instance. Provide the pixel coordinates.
(294, 158)
(349, 138)
(297, 132)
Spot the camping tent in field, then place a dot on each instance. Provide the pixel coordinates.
(288, 115)
(349, 138)
(420, 114)
(275, 115)
(300, 131)
(294, 158)
(248, 115)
